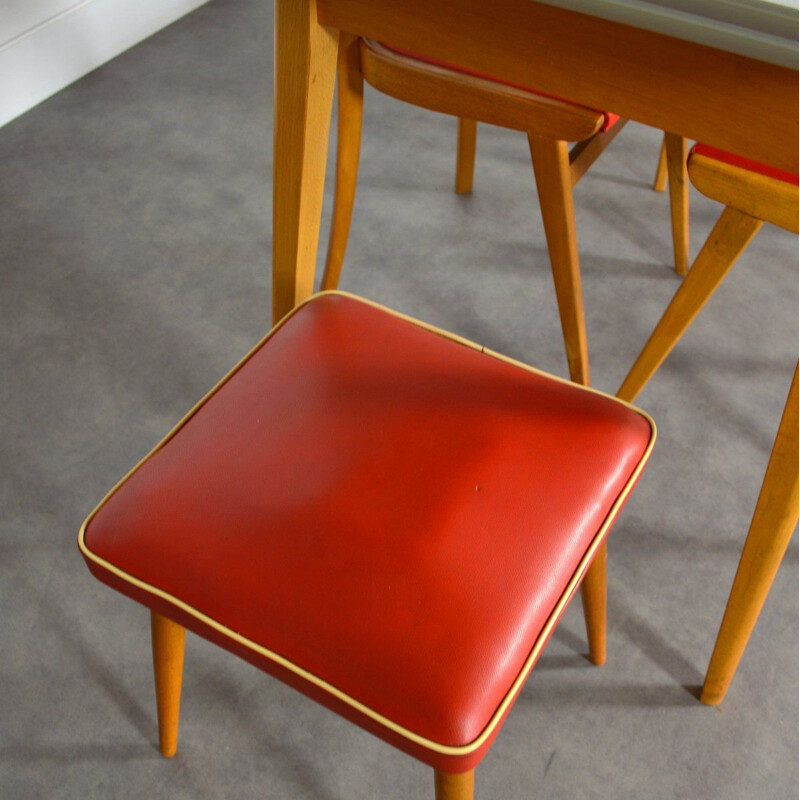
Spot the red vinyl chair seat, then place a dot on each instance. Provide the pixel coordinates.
(609, 119)
(744, 163)
(388, 519)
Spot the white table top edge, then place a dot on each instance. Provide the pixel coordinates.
(762, 29)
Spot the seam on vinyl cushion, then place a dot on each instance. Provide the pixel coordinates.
(496, 717)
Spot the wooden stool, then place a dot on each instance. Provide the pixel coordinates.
(387, 517)
(752, 193)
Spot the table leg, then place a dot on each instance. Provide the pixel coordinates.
(305, 69)
(770, 530)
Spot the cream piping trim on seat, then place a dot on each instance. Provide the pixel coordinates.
(450, 750)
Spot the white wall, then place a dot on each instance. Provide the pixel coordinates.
(47, 44)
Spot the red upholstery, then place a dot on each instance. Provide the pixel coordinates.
(744, 163)
(391, 511)
(609, 119)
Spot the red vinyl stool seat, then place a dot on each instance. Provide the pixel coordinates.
(386, 517)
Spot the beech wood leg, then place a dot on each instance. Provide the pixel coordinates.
(593, 597)
(168, 647)
(554, 185)
(454, 787)
(677, 151)
(348, 148)
(731, 234)
(660, 179)
(771, 528)
(305, 68)
(465, 154)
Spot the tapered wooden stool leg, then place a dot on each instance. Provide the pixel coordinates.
(168, 647)
(554, 186)
(593, 596)
(678, 199)
(660, 180)
(465, 154)
(350, 94)
(770, 530)
(454, 787)
(731, 234)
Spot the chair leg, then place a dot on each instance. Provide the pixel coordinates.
(593, 596)
(168, 648)
(554, 185)
(465, 155)
(348, 146)
(731, 234)
(678, 199)
(660, 180)
(770, 530)
(454, 787)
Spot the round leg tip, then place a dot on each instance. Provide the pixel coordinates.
(710, 698)
(598, 659)
(169, 750)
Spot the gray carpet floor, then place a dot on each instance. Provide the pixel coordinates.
(134, 264)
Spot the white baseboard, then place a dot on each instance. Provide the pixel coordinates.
(43, 60)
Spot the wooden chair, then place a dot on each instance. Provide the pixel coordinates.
(752, 194)
(550, 124)
(387, 517)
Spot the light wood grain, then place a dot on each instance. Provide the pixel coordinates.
(350, 96)
(585, 153)
(593, 597)
(766, 198)
(465, 154)
(454, 787)
(750, 198)
(660, 179)
(462, 95)
(677, 151)
(771, 529)
(168, 639)
(737, 103)
(305, 68)
(730, 236)
(554, 185)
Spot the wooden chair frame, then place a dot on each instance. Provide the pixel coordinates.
(550, 125)
(750, 199)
